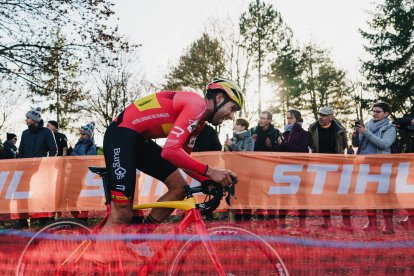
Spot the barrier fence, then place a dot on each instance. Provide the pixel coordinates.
(266, 180)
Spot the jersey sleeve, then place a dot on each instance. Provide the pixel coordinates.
(192, 108)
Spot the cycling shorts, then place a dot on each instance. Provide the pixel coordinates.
(125, 151)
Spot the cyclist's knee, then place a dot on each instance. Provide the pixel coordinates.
(176, 192)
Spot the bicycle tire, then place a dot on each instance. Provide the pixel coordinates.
(43, 253)
(248, 254)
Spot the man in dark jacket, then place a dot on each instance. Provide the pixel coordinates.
(267, 138)
(207, 140)
(60, 138)
(37, 140)
(329, 136)
(265, 135)
(9, 147)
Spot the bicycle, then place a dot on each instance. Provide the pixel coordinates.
(64, 256)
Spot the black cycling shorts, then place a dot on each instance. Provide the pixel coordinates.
(125, 151)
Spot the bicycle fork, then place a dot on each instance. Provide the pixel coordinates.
(205, 239)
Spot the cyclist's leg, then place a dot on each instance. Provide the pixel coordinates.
(120, 145)
(150, 162)
(175, 183)
(119, 149)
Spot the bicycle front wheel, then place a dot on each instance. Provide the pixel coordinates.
(240, 252)
(48, 249)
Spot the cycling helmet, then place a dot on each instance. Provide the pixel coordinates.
(231, 91)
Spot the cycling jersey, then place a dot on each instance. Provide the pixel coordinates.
(175, 115)
(171, 114)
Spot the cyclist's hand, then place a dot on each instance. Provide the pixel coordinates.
(222, 176)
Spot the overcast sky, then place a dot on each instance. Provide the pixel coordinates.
(166, 27)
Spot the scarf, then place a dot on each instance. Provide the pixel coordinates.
(373, 126)
(289, 127)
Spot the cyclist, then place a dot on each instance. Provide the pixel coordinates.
(179, 116)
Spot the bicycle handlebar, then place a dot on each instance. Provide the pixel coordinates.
(216, 190)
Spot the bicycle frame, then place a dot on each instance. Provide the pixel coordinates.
(192, 215)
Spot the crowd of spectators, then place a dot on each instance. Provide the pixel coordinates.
(326, 135)
(45, 141)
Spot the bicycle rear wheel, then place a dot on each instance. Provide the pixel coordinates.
(240, 252)
(51, 246)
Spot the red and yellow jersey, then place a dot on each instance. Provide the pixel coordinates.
(175, 115)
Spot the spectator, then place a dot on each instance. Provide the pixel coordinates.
(60, 138)
(295, 139)
(266, 138)
(376, 137)
(265, 135)
(86, 143)
(9, 147)
(328, 135)
(241, 141)
(84, 146)
(37, 140)
(207, 140)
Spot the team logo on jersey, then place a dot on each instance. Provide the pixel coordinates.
(119, 171)
(148, 102)
(178, 131)
(191, 142)
(192, 126)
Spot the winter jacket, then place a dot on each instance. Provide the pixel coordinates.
(296, 140)
(37, 142)
(378, 142)
(271, 133)
(341, 141)
(9, 150)
(84, 147)
(207, 140)
(242, 141)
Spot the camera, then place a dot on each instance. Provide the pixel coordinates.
(357, 123)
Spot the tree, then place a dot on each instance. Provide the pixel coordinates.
(390, 71)
(263, 30)
(11, 97)
(27, 30)
(238, 63)
(115, 89)
(324, 84)
(286, 73)
(203, 61)
(61, 88)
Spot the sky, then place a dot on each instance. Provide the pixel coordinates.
(166, 28)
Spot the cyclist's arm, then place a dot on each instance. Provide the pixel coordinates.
(186, 122)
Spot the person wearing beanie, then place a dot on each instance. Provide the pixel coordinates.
(86, 144)
(9, 147)
(37, 140)
(60, 138)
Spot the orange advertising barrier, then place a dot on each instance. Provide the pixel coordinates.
(266, 180)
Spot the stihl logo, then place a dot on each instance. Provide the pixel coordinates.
(12, 192)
